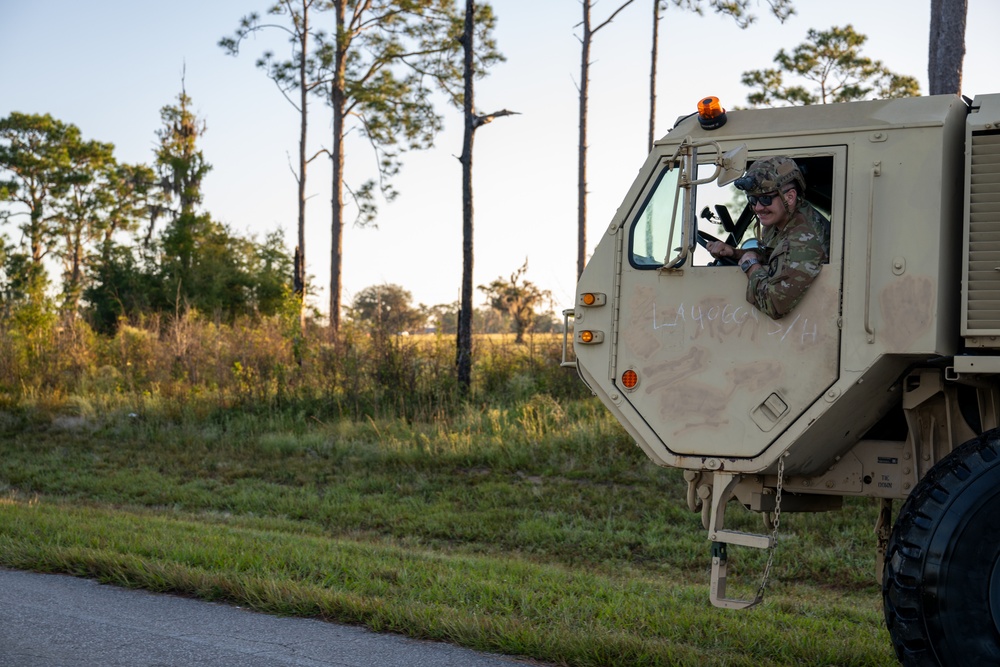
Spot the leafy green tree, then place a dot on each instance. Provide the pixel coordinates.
(268, 265)
(296, 74)
(81, 213)
(72, 197)
(122, 285)
(382, 63)
(34, 158)
(190, 238)
(10, 272)
(517, 298)
(231, 275)
(130, 195)
(180, 164)
(202, 267)
(195, 262)
(202, 263)
(835, 71)
(387, 309)
(228, 275)
(123, 278)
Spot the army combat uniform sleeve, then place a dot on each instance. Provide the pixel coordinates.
(791, 267)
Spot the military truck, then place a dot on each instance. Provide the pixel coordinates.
(883, 382)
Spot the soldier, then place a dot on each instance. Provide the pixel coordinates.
(793, 242)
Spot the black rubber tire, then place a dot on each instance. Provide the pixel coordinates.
(941, 583)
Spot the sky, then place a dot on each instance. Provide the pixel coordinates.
(109, 66)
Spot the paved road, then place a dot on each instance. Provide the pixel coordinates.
(51, 620)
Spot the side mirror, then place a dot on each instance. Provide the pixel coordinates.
(732, 164)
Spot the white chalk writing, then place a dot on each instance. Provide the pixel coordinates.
(727, 314)
(721, 320)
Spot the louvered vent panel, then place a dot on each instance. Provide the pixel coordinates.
(983, 279)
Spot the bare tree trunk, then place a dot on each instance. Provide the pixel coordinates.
(299, 280)
(652, 75)
(581, 174)
(473, 120)
(947, 46)
(336, 226)
(581, 180)
(74, 271)
(337, 102)
(463, 360)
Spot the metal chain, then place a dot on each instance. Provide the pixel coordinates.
(774, 531)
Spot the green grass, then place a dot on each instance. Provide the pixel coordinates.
(535, 529)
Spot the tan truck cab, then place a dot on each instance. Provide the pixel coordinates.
(884, 381)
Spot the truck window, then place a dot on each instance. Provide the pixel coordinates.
(650, 233)
(723, 212)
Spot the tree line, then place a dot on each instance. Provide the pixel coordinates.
(78, 205)
(79, 209)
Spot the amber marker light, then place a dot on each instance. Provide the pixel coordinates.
(630, 379)
(589, 299)
(587, 336)
(711, 115)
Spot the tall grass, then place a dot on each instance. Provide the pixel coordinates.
(266, 364)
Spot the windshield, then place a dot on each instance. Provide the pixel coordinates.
(651, 234)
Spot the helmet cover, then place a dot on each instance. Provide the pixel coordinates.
(770, 175)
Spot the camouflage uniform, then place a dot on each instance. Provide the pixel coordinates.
(793, 255)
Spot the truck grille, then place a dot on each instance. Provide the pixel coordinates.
(983, 277)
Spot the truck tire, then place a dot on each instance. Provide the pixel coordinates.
(941, 583)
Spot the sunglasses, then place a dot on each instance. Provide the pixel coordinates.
(764, 200)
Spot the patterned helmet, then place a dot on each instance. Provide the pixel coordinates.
(769, 175)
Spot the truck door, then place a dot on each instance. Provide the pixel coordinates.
(713, 375)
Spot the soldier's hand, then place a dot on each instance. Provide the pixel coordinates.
(720, 249)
